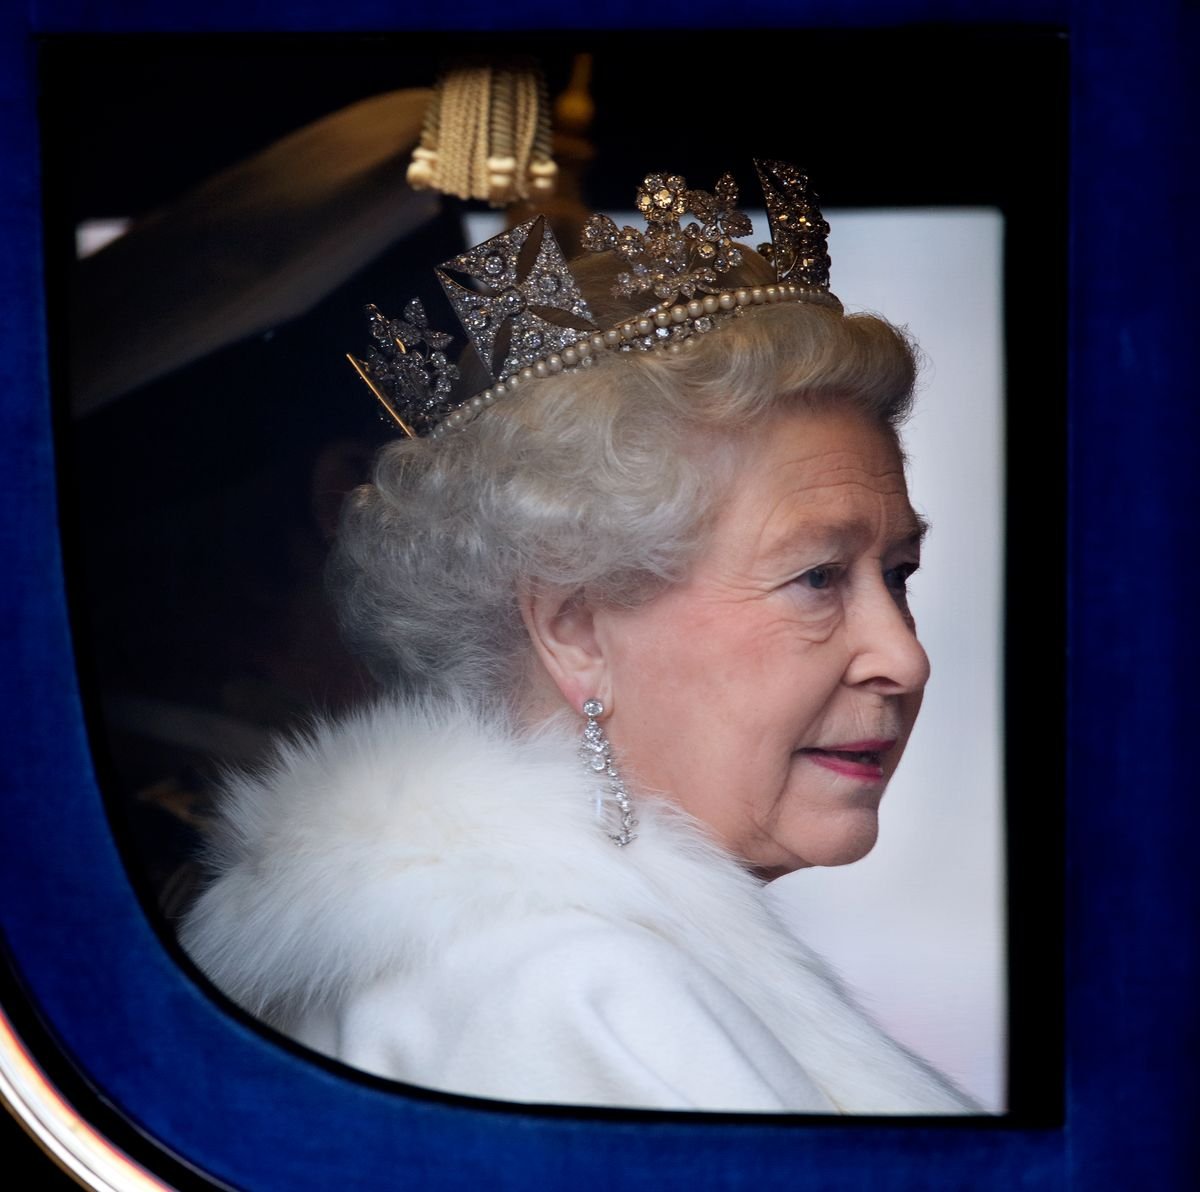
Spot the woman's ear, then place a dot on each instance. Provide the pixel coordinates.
(562, 627)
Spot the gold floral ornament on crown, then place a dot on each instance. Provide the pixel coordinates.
(667, 258)
(527, 319)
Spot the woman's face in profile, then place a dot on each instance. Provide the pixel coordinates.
(771, 694)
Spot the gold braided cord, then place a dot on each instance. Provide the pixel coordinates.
(526, 130)
(541, 150)
(502, 113)
(501, 160)
(463, 130)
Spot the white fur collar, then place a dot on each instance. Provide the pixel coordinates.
(372, 843)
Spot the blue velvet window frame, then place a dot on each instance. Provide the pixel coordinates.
(111, 1010)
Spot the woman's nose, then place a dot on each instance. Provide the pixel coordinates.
(885, 652)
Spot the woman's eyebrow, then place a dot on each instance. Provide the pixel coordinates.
(911, 530)
(915, 531)
(819, 536)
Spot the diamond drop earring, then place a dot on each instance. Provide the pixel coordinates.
(596, 753)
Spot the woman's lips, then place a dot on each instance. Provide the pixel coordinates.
(853, 759)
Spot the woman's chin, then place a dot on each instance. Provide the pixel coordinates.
(850, 839)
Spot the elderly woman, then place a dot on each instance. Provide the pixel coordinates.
(641, 609)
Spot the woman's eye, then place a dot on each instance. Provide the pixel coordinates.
(818, 577)
(897, 578)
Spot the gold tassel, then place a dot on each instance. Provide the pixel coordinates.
(487, 134)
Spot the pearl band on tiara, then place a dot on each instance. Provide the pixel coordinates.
(658, 327)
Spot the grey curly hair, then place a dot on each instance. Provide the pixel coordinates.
(601, 481)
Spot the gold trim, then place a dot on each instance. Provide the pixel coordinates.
(361, 368)
(81, 1151)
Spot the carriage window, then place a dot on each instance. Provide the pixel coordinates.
(209, 265)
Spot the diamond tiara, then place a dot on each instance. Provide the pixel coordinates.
(524, 313)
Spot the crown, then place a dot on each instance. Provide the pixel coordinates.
(524, 314)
